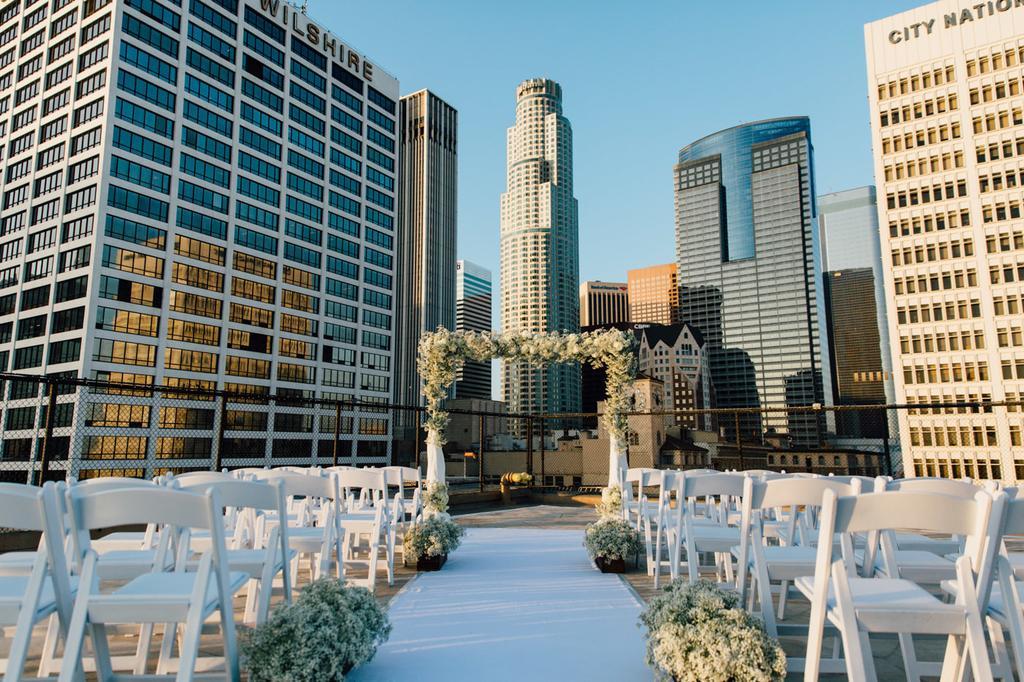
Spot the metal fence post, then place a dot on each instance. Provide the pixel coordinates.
(543, 446)
(480, 459)
(529, 445)
(51, 407)
(337, 430)
(416, 439)
(739, 442)
(218, 463)
(885, 442)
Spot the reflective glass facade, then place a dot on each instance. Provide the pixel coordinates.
(747, 255)
(196, 193)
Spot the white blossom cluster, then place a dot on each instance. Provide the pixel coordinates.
(611, 538)
(442, 354)
(321, 636)
(610, 506)
(697, 632)
(438, 535)
(435, 498)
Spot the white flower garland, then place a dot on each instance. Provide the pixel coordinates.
(442, 354)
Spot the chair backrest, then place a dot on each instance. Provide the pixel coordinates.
(262, 495)
(299, 484)
(711, 485)
(372, 480)
(406, 475)
(191, 479)
(939, 486)
(867, 483)
(113, 483)
(807, 492)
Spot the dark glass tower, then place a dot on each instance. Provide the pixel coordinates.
(747, 251)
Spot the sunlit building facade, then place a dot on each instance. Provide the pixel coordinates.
(603, 303)
(540, 246)
(947, 123)
(196, 196)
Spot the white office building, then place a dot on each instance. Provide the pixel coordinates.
(946, 93)
(195, 195)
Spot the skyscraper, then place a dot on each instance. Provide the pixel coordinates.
(540, 246)
(855, 308)
(747, 249)
(426, 237)
(946, 122)
(206, 201)
(473, 313)
(654, 294)
(603, 303)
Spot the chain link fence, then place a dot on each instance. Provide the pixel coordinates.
(57, 426)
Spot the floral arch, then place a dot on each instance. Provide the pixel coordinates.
(442, 354)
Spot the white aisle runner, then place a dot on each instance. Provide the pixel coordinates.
(513, 604)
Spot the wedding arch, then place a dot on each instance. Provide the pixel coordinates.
(442, 354)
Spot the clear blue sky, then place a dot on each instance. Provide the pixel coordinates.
(640, 80)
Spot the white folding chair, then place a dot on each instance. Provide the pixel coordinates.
(858, 607)
(321, 543)
(685, 530)
(921, 558)
(47, 589)
(269, 554)
(163, 595)
(781, 563)
(367, 515)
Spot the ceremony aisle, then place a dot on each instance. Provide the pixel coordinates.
(513, 604)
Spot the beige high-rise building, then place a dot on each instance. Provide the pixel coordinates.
(603, 303)
(540, 270)
(946, 96)
(654, 294)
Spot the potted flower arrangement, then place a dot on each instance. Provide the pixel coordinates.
(697, 632)
(429, 543)
(609, 541)
(325, 633)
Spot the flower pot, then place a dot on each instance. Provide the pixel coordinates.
(610, 565)
(431, 563)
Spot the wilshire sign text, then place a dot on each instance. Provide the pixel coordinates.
(319, 38)
(978, 12)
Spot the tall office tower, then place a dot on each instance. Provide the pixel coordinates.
(540, 269)
(851, 263)
(747, 249)
(473, 313)
(426, 238)
(947, 122)
(654, 294)
(197, 197)
(603, 303)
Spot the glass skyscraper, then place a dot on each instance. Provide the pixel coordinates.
(540, 269)
(197, 195)
(747, 254)
(427, 226)
(473, 313)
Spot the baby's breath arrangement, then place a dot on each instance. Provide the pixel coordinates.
(611, 538)
(438, 535)
(326, 632)
(435, 498)
(697, 632)
(610, 505)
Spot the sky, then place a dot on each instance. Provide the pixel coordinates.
(639, 79)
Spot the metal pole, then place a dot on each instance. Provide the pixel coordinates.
(885, 442)
(529, 445)
(542, 448)
(51, 407)
(739, 443)
(416, 439)
(218, 462)
(480, 459)
(337, 430)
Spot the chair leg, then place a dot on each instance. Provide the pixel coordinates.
(1002, 667)
(764, 594)
(783, 594)
(190, 644)
(858, 665)
(657, 561)
(101, 652)
(142, 648)
(910, 666)
(48, 657)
